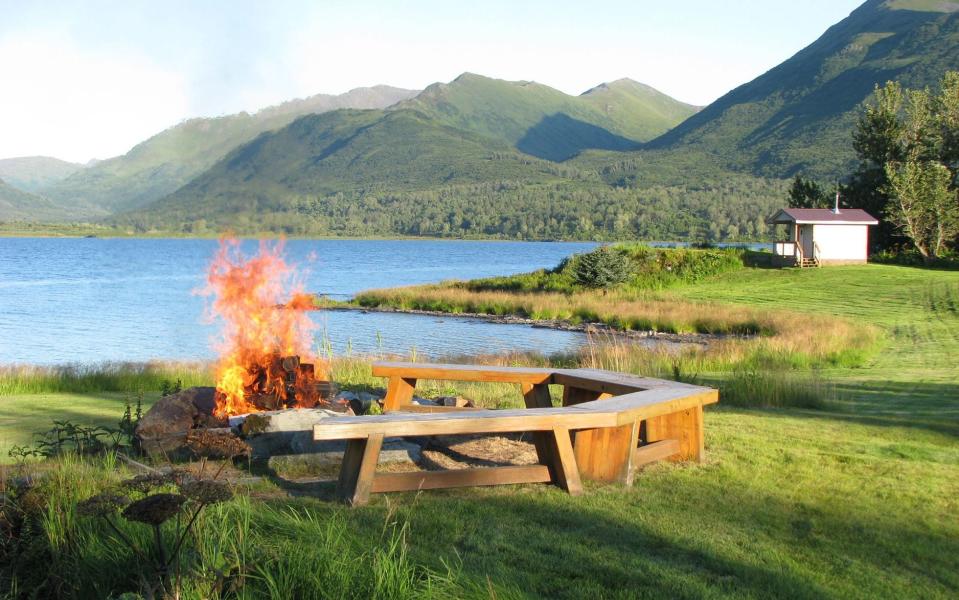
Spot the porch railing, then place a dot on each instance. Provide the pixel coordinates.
(789, 250)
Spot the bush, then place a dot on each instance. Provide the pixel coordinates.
(909, 257)
(602, 268)
(636, 266)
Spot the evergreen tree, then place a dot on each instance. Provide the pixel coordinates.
(602, 268)
(806, 193)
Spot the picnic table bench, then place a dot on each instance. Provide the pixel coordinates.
(609, 425)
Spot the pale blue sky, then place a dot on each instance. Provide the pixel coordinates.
(90, 79)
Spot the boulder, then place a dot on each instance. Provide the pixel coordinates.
(282, 431)
(368, 397)
(163, 428)
(285, 438)
(360, 402)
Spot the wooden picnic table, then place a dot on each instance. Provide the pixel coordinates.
(609, 425)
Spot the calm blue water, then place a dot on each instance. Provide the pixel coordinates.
(92, 300)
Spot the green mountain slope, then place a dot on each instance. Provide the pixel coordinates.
(400, 172)
(168, 160)
(546, 123)
(472, 131)
(17, 205)
(342, 151)
(798, 117)
(33, 173)
(639, 110)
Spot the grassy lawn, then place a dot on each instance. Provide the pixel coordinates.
(22, 415)
(859, 500)
(918, 308)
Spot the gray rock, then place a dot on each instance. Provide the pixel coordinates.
(284, 431)
(325, 457)
(455, 401)
(285, 438)
(424, 401)
(164, 427)
(347, 396)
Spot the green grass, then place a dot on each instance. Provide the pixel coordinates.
(244, 548)
(102, 377)
(24, 415)
(918, 308)
(855, 496)
(791, 504)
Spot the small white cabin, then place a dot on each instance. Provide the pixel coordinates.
(823, 236)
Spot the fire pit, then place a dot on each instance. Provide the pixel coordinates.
(270, 387)
(282, 382)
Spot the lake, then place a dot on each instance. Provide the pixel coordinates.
(69, 300)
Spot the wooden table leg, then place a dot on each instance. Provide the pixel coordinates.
(574, 395)
(606, 454)
(358, 469)
(565, 471)
(399, 392)
(537, 396)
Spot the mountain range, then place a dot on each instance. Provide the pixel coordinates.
(328, 163)
(170, 159)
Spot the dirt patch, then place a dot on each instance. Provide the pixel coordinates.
(480, 450)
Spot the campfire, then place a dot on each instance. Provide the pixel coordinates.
(266, 362)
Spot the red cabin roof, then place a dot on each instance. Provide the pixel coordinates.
(823, 216)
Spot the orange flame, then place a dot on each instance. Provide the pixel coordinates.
(258, 326)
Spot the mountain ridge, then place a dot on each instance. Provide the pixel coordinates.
(171, 158)
(16, 204)
(545, 122)
(798, 117)
(33, 173)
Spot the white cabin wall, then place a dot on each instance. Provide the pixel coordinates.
(842, 242)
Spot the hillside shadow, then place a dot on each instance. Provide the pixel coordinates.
(832, 100)
(559, 137)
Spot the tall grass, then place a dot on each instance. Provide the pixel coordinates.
(776, 338)
(246, 548)
(744, 379)
(101, 377)
(748, 373)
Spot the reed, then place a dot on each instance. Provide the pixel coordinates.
(756, 337)
(127, 377)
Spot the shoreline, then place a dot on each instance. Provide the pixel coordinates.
(50, 234)
(702, 339)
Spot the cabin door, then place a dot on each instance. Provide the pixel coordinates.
(806, 240)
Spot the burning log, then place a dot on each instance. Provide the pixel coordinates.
(282, 382)
(266, 331)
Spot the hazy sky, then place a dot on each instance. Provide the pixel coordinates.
(89, 79)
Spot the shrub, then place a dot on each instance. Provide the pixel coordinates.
(602, 268)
